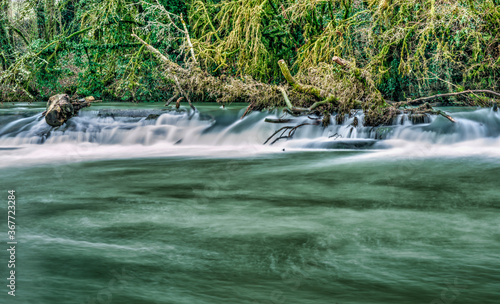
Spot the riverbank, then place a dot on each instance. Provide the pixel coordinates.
(357, 54)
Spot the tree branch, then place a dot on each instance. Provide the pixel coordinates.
(308, 89)
(424, 99)
(190, 45)
(162, 57)
(183, 92)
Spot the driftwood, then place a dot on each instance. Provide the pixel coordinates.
(291, 131)
(60, 108)
(249, 108)
(183, 93)
(278, 120)
(425, 99)
(169, 101)
(417, 114)
(178, 102)
(446, 116)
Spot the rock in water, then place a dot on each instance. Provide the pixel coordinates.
(419, 119)
(60, 108)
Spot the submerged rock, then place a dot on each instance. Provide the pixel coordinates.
(419, 118)
(148, 114)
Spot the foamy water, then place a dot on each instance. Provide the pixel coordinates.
(93, 135)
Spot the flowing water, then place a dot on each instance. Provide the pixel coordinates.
(188, 207)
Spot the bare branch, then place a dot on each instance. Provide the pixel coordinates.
(183, 92)
(162, 57)
(424, 99)
(162, 8)
(188, 39)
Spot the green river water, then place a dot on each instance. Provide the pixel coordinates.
(192, 208)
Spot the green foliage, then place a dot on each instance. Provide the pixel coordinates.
(397, 48)
(175, 6)
(411, 48)
(5, 39)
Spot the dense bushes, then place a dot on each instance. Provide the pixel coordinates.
(407, 48)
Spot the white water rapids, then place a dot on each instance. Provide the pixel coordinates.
(94, 135)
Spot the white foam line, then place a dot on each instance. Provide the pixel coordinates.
(85, 244)
(65, 153)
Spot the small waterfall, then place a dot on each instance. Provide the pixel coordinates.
(193, 128)
(223, 129)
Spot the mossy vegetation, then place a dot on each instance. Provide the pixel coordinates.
(357, 53)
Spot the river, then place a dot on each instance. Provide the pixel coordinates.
(193, 208)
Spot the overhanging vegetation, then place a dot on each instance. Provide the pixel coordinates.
(359, 53)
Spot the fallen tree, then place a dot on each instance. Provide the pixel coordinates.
(195, 82)
(321, 102)
(454, 94)
(61, 107)
(291, 132)
(378, 112)
(330, 89)
(228, 51)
